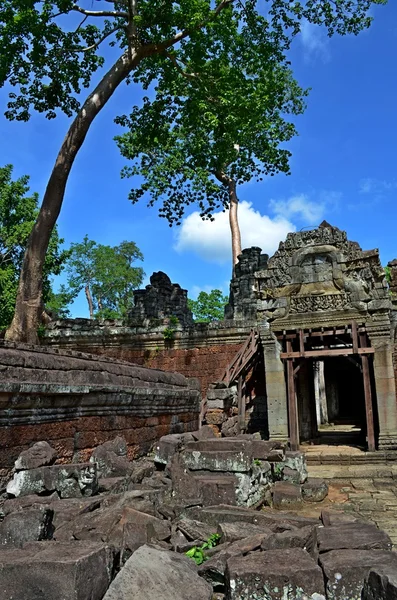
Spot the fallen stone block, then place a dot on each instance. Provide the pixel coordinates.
(156, 574)
(274, 574)
(363, 536)
(226, 460)
(230, 428)
(70, 481)
(381, 584)
(118, 525)
(286, 495)
(205, 433)
(305, 538)
(110, 464)
(314, 490)
(345, 570)
(167, 447)
(231, 532)
(38, 455)
(195, 530)
(29, 525)
(44, 571)
(267, 450)
(331, 518)
(217, 489)
(297, 461)
(185, 487)
(274, 519)
(291, 475)
(23, 502)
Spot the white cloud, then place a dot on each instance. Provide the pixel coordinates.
(314, 41)
(376, 186)
(299, 206)
(211, 240)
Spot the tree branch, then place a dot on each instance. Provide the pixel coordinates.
(174, 60)
(99, 42)
(100, 13)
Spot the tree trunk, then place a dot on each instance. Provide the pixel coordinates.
(89, 300)
(233, 216)
(29, 298)
(233, 221)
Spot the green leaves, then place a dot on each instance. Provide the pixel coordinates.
(18, 211)
(107, 274)
(208, 306)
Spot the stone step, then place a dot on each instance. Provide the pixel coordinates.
(338, 457)
(355, 471)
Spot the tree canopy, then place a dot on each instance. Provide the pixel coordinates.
(106, 274)
(208, 306)
(49, 51)
(18, 211)
(202, 131)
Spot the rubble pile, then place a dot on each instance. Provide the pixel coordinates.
(204, 517)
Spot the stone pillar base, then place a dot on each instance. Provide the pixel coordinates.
(388, 441)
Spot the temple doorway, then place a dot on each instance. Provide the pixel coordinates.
(330, 389)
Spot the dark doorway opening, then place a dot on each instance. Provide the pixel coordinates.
(329, 378)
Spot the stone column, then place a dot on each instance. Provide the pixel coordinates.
(275, 388)
(319, 393)
(379, 334)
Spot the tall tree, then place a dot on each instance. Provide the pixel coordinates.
(209, 306)
(203, 136)
(106, 274)
(18, 210)
(47, 58)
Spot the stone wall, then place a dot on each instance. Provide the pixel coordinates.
(76, 401)
(202, 350)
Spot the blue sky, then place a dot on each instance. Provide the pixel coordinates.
(343, 166)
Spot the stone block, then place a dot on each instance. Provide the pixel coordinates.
(363, 536)
(264, 450)
(297, 461)
(314, 490)
(230, 427)
(274, 574)
(218, 489)
(215, 416)
(167, 446)
(153, 574)
(109, 463)
(228, 461)
(66, 571)
(195, 530)
(70, 481)
(38, 455)
(29, 525)
(305, 538)
(274, 519)
(231, 532)
(345, 570)
(381, 584)
(286, 495)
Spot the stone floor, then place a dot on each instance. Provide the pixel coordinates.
(361, 483)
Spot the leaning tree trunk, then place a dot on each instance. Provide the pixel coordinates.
(233, 221)
(29, 298)
(89, 301)
(233, 216)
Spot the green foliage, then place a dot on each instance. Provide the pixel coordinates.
(49, 50)
(106, 274)
(168, 333)
(197, 553)
(208, 306)
(18, 211)
(387, 271)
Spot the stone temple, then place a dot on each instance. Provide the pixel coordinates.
(321, 361)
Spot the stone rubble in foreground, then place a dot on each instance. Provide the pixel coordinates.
(113, 529)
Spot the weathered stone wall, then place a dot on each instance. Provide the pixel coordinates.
(202, 351)
(76, 401)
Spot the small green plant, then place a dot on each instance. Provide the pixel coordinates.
(41, 331)
(278, 470)
(197, 553)
(168, 333)
(173, 320)
(257, 462)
